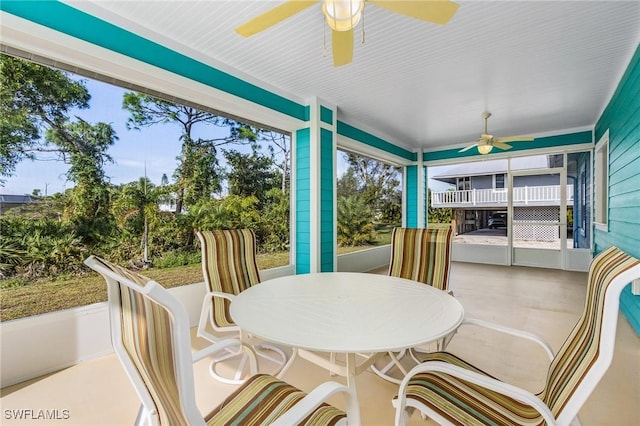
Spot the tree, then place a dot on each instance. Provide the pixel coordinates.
(250, 174)
(437, 214)
(33, 98)
(197, 174)
(279, 145)
(347, 185)
(137, 206)
(354, 222)
(36, 101)
(232, 211)
(85, 147)
(378, 184)
(275, 218)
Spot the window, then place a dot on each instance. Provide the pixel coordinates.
(601, 182)
(135, 214)
(464, 183)
(369, 202)
(498, 181)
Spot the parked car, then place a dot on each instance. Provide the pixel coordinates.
(498, 220)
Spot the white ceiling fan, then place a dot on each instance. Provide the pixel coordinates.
(486, 142)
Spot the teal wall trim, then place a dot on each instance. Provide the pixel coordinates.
(326, 115)
(327, 226)
(411, 197)
(545, 142)
(351, 132)
(622, 118)
(66, 19)
(303, 200)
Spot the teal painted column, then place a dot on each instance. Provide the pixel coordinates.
(410, 213)
(415, 190)
(315, 200)
(302, 228)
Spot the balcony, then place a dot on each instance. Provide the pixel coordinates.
(484, 198)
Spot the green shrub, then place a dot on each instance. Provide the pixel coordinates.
(354, 222)
(177, 258)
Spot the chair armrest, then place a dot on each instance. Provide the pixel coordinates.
(206, 312)
(220, 294)
(214, 348)
(503, 388)
(224, 344)
(314, 399)
(514, 332)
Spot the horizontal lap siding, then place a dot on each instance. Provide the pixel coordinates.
(327, 223)
(303, 201)
(411, 197)
(622, 119)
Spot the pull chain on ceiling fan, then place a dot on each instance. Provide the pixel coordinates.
(343, 15)
(487, 142)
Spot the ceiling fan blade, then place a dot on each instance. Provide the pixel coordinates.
(501, 145)
(436, 11)
(342, 47)
(273, 16)
(515, 139)
(468, 147)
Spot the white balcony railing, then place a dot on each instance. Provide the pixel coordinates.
(522, 196)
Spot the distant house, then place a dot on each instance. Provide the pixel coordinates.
(8, 201)
(478, 192)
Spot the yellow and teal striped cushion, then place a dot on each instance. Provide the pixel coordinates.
(147, 336)
(466, 404)
(229, 266)
(421, 255)
(262, 399)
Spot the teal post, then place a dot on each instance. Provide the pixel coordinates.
(415, 187)
(315, 200)
(303, 201)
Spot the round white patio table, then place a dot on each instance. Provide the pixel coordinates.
(345, 312)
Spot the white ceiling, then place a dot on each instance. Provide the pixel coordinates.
(538, 66)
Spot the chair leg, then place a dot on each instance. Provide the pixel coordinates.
(261, 350)
(395, 362)
(575, 421)
(143, 418)
(332, 359)
(237, 377)
(280, 357)
(441, 345)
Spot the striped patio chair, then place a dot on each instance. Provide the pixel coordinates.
(451, 391)
(150, 335)
(229, 267)
(422, 255)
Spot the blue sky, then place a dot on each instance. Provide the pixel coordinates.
(155, 147)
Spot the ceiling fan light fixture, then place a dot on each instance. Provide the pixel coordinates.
(342, 15)
(485, 149)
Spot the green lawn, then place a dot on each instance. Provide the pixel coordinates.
(49, 296)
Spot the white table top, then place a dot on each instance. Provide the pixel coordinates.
(346, 312)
